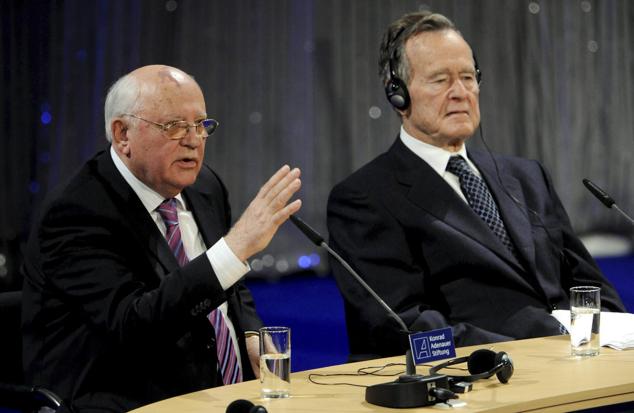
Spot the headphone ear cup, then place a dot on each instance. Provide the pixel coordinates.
(397, 95)
(244, 406)
(481, 361)
(504, 373)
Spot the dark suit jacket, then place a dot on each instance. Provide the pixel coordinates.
(110, 320)
(437, 264)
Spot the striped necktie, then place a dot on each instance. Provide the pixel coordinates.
(227, 359)
(480, 199)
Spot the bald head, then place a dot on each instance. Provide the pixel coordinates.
(161, 75)
(141, 89)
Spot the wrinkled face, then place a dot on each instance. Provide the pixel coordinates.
(443, 89)
(167, 166)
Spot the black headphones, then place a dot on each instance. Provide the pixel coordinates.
(244, 406)
(395, 89)
(482, 364)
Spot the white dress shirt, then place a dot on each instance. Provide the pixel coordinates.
(227, 267)
(438, 159)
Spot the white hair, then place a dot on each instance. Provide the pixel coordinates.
(123, 97)
(126, 96)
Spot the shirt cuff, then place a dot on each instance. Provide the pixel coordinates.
(228, 268)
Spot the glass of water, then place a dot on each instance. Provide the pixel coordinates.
(275, 361)
(585, 317)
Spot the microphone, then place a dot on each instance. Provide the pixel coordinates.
(605, 199)
(410, 389)
(244, 406)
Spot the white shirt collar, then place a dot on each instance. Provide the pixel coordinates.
(149, 197)
(436, 157)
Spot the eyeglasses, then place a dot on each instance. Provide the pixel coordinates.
(178, 129)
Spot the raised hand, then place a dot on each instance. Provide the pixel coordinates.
(264, 215)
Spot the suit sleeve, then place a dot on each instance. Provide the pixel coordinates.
(578, 266)
(380, 250)
(88, 261)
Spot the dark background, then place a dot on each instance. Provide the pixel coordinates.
(296, 82)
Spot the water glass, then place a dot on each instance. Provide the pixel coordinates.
(585, 317)
(275, 361)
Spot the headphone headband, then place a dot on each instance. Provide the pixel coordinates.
(482, 364)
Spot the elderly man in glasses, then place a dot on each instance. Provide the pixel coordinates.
(132, 288)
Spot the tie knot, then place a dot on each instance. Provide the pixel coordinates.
(458, 166)
(167, 211)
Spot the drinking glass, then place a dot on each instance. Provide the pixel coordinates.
(275, 361)
(585, 317)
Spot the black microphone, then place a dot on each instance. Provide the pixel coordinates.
(244, 406)
(410, 389)
(605, 199)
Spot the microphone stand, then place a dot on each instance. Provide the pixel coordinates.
(363, 283)
(615, 206)
(410, 389)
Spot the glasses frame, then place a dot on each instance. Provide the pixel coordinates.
(164, 127)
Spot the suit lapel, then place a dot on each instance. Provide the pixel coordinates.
(202, 207)
(430, 192)
(136, 216)
(511, 205)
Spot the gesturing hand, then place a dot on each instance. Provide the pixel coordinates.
(264, 215)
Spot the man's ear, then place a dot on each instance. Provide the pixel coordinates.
(120, 136)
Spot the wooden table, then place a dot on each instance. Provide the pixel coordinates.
(546, 379)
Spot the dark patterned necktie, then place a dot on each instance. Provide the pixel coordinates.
(480, 199)
(227, 359)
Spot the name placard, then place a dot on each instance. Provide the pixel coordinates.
(432, 345)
